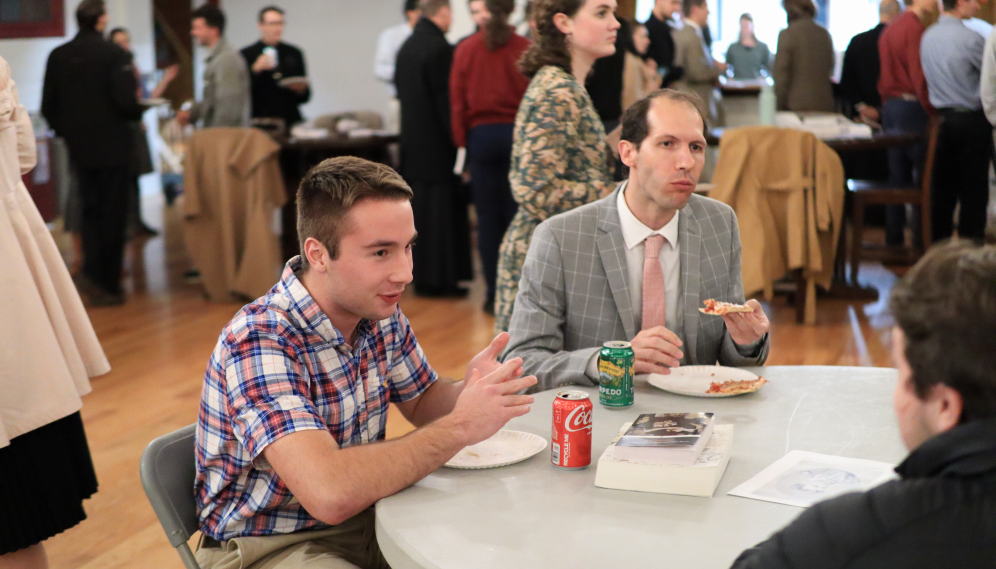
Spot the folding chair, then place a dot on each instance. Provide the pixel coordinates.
(168, 470)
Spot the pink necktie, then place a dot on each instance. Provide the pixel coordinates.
(653, 283)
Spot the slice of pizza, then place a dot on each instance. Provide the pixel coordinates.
(736, 387)
(717, 308)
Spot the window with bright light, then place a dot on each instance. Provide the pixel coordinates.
(845, 18)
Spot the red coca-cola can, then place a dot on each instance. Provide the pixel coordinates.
(571, 445)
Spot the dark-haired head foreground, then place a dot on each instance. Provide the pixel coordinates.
(942, 510)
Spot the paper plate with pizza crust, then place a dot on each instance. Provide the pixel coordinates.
(707, 381)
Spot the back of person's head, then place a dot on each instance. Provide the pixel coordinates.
(330, 189)
(799, 9)
(687, 5)
(212, 15)
(262, 13)
(946, 309)
(550, 45)
(889, 9)
(497, 31)
(116, 31)
(949, 4)
(430, 8)
(88, 13)
(410, 6)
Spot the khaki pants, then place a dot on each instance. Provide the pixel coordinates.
(349, 545)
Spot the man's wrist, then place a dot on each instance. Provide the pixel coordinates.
(752, 349)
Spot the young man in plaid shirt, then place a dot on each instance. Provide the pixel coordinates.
(290, 439)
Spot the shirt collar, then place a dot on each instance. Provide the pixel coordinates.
(635, 232)
(966, 450)
(946, 19)
(696, 27)
(308, 310)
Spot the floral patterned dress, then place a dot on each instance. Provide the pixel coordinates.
(560, 160)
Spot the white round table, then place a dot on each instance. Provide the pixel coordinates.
(532, 514)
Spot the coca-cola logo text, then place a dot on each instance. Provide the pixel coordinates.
(578, 419)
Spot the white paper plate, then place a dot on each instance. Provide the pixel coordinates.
(503, 448)
(695, 380)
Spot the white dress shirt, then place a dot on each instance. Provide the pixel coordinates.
(634, 234)
(388, 44)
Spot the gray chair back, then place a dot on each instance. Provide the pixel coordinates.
(168, 470)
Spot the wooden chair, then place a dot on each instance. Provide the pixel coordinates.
(865, 192)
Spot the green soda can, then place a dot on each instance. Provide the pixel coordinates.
(615, 374)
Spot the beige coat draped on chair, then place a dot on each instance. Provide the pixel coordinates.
(787, 188)
(48, 349)
(232, 188)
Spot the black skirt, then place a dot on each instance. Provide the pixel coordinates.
(44, 477)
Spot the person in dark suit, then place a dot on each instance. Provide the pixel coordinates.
(428, 154)
(90, 100)
(270, 99)
(859, 77)
(660, 29)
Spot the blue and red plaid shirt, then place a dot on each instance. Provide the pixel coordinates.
(281, 367)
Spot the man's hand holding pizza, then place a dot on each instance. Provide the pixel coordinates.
(747, 327)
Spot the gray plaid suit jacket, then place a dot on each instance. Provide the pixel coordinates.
(574, 292)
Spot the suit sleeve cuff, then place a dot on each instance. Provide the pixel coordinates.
(591, 370)
(753, 349)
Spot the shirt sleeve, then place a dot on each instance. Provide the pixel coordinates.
(988, 91)
(916, 70)
(268, 391)
(411, 375)
(384, 58)
(458, 96)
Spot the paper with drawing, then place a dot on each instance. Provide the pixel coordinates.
(803, 478)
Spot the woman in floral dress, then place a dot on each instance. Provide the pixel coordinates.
(560, 157)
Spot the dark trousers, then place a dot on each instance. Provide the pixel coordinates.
(441, 258)
(489, 149)
(905, 163)
(961, 174)
(106, 194)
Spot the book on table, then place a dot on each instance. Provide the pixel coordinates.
(699, 479)
(666, 438)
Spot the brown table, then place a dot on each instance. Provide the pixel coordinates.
(298, 155)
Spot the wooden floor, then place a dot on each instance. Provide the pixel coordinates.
(160, 341)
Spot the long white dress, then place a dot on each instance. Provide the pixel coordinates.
(48, 349)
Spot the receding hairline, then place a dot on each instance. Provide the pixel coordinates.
(677, 101)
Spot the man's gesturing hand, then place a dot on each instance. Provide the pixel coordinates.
(487, 361)
(487, 403)
(657, 349)
(747, 327)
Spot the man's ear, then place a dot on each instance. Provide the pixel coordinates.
(628, 152)
(317, 254)
(946, 405)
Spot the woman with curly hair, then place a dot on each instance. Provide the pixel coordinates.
(560, 155)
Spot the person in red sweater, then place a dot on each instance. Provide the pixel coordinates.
(905, 107)
(486, 88)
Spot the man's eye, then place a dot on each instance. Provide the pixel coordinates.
(381, 253)
(697, 148)
(666, 143)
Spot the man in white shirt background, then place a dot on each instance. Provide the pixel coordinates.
(388, 44)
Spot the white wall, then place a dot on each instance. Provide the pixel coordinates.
(339, 38)
(27, 57)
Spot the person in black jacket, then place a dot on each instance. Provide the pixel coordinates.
(90, 100)
(859, 75)
(270, 99)
(660, 30)
(428, 155)
(942, 510)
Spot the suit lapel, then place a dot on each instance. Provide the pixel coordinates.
(612, 250)
(690, 243)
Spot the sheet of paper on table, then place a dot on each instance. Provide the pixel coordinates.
(803, 478)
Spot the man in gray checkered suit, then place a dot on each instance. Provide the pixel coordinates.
(638, 264)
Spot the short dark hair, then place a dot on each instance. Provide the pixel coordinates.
(213, 17)
(430, 8)
(687, 5)
(946, 307)
(89, 12)
(634, 121)
(410, 5)
(949, 4)
(263, 12)
(329, 190)
(116, 31)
